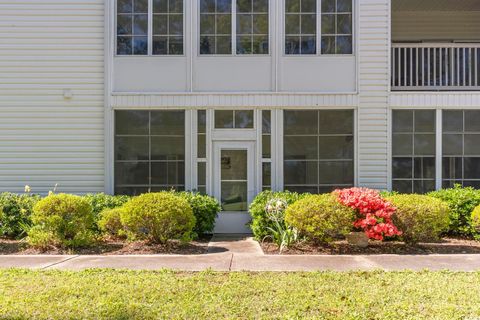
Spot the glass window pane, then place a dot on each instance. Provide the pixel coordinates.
(131, 122)
(140, 6)
(424, 168)
(402, 121)
(425, 121)
(402, 168)
(308, 45)
(168, 123)
(300, 147)
(124, 46)
(260, 45)
(175, 6)
(202, 174)
(207, 45)
(328, 6)
(168, 173)
(344, 6)
(124, 24)
(234, 165)
(175, 25)
(224, 5)
(175, 45)
(328, 45)
(266, 174)
(260, 24)
(292, 45)
(207, 24)
(452, 168)
(140, 45)
(452, 121)
(124, 6)
(266, 121)
(132, 173)
(472, 121)
(160, 6)
(160, 45)
(452, 144)
(202, 146)
(344, 45)
(266, 146)
(244, 119)
(224, 45)
(336, 172)
(472, 168)
(292, 5)
(244, 45)
(336, 122)
(260, 5)
(223, 119)
(328, 24)
(131, 148)
(423, 186)
(140, 25)
(167, 148)
(336, 147)
(300, 122)
(300, 172)
(402, 186)
(202, 121)
(160, 24)
(425, 144)
(207, 6)
(344, 24)
(472, 145)
(244, 24)
(292, 24)
(309, 5)
(308, 24)
(402, 144)
(224, 24)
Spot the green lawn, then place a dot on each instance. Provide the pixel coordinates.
(107, 294)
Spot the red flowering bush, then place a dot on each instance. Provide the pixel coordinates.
(374, 212)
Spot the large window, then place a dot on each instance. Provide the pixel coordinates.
(337, 27)
(300, 27)
(318, 150)
(234, 119)
(149, 151)
(167, 31)
(461, 148)
(413, 163)
(252, 26)
(215, 26)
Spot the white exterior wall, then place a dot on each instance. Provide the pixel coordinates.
(373, 136)
(47, 47)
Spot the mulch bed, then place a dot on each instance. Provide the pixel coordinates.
(446, 246)
(111, 247)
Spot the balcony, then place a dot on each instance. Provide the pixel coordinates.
(435, 66)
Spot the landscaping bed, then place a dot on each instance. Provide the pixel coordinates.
(445, 246)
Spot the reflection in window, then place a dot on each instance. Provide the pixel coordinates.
(202, 151)
(318, 150)
(215, 27)
(132, 27)
(167, 27)
(337, 27)
(149, 151)
(413, 145)
(300, 26)
(234, 180)
(252, 26)
(461, 148)
(234, 119)
(266, 149)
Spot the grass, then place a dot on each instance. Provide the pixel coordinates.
(109, 294)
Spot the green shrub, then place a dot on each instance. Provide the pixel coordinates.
(15, 213)
(205, 209)
(61, 220)
(420, 218)
(260, 222)
(110, 221)
(101, 201)
(476, 220)
(462, 201)
(320, 218)
(158, 217)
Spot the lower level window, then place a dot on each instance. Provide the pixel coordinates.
(318, 150)
(461, 148)
(413, 163)
(149, 151)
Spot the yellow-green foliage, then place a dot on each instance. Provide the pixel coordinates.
(476, 219)
(110, 221)
(420, 218)
(61, 219)
(320, 218)
(158, 217)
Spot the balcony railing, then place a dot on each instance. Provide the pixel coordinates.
(436, 67)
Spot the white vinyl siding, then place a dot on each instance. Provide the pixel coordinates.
(46, 49)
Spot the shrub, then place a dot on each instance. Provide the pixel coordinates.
(282, 234)
(15, 213)
(320, 217)
(374, 214)
(421, 218)
(260, 222)
(205, 209)
(158, 217)
(462, 201)
(101, 201)
(61, 220)
(476, 220)
(110, 221)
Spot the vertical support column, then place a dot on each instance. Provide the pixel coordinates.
(374, 85)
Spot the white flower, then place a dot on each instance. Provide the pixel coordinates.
(269, 208)
(27, 189)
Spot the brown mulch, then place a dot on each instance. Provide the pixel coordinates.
(446, 246)
(111, 247)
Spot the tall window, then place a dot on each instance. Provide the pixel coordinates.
(461, 148)
(202, 151)
(167, 32)
(215, 26)
(266, 150)
(300, 26)
(337, 27)
(252, 26)
(132, 27)
(413, 162)
(318, 150)
(167, 27)
(149, 151)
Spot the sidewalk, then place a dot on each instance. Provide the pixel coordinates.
(238, 253)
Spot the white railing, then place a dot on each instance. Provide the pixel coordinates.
(429, 66)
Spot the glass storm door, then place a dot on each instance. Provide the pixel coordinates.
(234, 183)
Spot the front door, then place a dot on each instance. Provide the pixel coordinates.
(234, 184)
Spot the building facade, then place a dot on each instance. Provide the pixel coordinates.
(232, 97)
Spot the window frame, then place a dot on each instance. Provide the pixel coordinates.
(319, 33)
(150, 34)
(233, 34)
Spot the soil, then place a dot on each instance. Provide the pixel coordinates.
(111, 247)
(446, 246)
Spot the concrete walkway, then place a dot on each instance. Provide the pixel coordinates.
(239, 253)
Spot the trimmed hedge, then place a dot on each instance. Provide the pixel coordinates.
(205, 209)
(260, 222)
(158, 217)
(320, 218)
(61, 220)
(15, 213)
(462, 201)
(476, 221)
(421, 218)
(110, 222)
(102, 201)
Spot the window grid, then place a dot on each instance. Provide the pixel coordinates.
(252, 31)
(297, 15)
(216, 14)
(202, 151)
(168, 27)
(421, 177)
(320, 187)
(452, 174)
(335, 35)
(132, 27)
(240, 119)
(266, 150)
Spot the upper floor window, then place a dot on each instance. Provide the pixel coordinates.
(133, 33)
(301, 18)
(246, 21)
